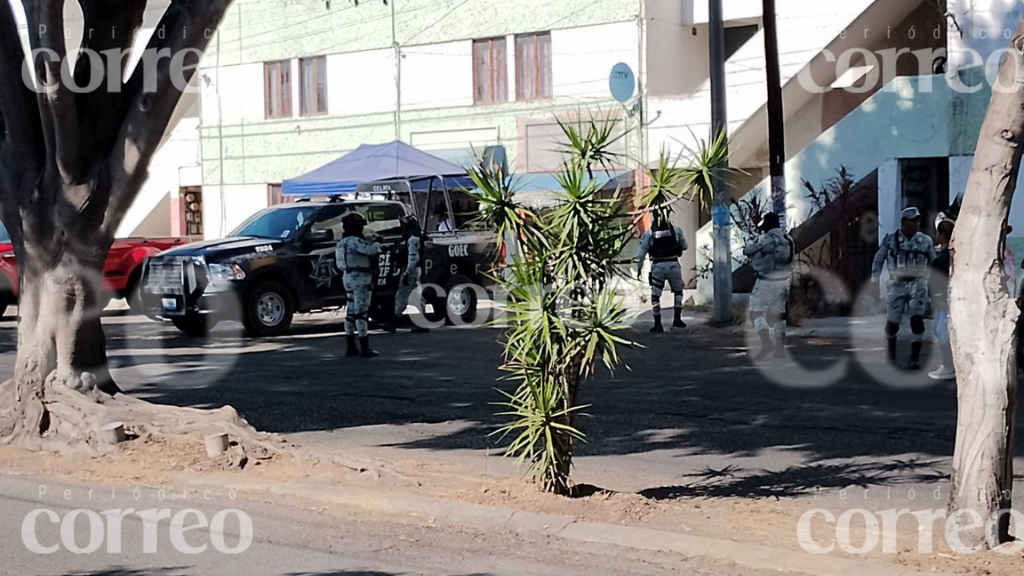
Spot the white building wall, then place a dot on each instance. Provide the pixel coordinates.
(234, 94)
(582, 58)
(439, 75)
(361, 82)
(225, 207)
(174, 165)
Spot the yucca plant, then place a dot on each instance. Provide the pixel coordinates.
(565, 318)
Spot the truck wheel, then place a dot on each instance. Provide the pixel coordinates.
(131, 291)
(461, 301)
(195, 325)
(5, 300)
(268, 310)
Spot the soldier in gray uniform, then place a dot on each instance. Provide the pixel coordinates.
(771, 256)
(665, 245)
(907, 253)
(410, 251)
(354, 255)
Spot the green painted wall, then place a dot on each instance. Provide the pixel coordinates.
(263, 30)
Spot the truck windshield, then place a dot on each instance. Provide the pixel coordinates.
(5, 238)
(276, 223)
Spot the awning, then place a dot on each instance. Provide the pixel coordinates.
(369, 163)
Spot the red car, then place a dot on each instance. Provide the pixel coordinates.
(120, 275)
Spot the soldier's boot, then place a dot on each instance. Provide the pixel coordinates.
(915, 355)
(890, 349)
(367, 351)
(353, 350)
(678, 322)
(658, 328)
(767, 347)
(780, 346)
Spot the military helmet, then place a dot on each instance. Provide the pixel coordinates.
(353, 222)
(770, 221)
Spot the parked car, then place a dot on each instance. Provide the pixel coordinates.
(281, 262)
(121, 273)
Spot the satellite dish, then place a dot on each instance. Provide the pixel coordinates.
(622, 82)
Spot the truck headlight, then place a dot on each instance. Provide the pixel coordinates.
(226, 272)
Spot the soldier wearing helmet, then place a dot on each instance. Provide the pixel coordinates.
(771, 256)
(907, 253)
(664, 244)
(355, 258)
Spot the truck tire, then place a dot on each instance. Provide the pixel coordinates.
(268, 310)
(5, 300)
(131, 291)
(195, 325)
(460, 304)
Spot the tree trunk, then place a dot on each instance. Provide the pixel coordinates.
(985, 317)
(61, 344)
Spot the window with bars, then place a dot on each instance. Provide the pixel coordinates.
(277, 80)
(533, 66)
(490, 71)
(313, 86)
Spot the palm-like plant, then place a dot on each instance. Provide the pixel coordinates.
(564, 313)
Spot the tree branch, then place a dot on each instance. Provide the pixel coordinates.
(108, 27)
(57, 106)
(155, 89)
(21, 133)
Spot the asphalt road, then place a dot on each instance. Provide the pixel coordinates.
(690, 416)
(284, 541)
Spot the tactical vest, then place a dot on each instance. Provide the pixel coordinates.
(355, 261)
(905, 254)
(665, 246)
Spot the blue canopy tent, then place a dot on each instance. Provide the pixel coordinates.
(375, 162)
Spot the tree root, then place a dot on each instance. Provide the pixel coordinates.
(70, 411)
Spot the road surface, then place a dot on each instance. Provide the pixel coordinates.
(285, 541)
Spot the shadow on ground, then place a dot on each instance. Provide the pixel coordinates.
(692, 394)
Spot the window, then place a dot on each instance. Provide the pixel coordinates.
(490, 71)
(313, 86)
(277, 80)
(533, 66)
(276, 223)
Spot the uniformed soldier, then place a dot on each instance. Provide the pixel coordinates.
(907, 253)
(410, 255)
(771, 256)
(665, 245)
(355, 256)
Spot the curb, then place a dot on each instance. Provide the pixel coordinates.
(489, 518)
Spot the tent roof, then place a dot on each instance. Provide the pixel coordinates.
(368, 163)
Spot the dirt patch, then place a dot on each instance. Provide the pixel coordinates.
(768, 522)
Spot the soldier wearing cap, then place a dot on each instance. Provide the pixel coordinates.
(907, 253)
(664, 244)
(771, 256)
(355, 257)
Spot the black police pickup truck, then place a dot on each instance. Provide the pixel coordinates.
(281, 262)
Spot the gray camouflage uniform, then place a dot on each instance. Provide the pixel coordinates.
(907, 260)
(771, 256)
(410, 277)
(355, 256)
(662, 272)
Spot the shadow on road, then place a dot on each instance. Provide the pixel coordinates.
(693, 394)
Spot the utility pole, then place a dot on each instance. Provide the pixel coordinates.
(721, 224)
(776, 116)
